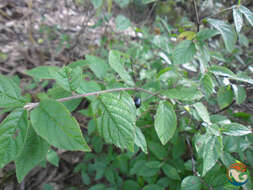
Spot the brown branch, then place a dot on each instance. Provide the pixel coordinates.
(30, 106)
(197, 14)
(192, 158)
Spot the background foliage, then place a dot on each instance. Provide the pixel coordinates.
(190, 71)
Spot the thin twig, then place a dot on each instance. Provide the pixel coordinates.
(30, 106)
(192, 158)
(5, 70)
(197, 14)
(215, 14)
(152, 93)
(84, 27)
(194, 164)
(150, 12)
(132, 67)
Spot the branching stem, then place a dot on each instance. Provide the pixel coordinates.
(197, 14)
(30, 106)
(192, 158)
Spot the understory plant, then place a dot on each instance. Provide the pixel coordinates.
(165, 110)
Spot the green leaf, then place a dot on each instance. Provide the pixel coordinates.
(153, 187)
(10, 93)
(34, 151)
(227, 159)
(117, 123)
(171, 172)
(213, 129)
(203, 55)
(202, 111)
(210, 154)
(179, 147)
(52, 157)
(122, 23)
(8, 127)
(42, 72)
(158, 150)
(249, 155)
(218, 56)
(164, 182)
(207, 85)
(100, 167)
(97, 187)
(184, 93)
(140, 140)
(240, 93)
(165, 122)
(117, 65)
(97, 3)
(131, 184)
(97, 144)
(122, 3)
(58, 92)
(153, 164)
(227, 32)
(225, 96)
(243, 40)
(237, 19)
(199, 142)
(121, 162)
(205, 34)
(85, 177)
(247, 13)
(88, 86)
(98, 66)
(68, 78)
(191, 183)
(235, 129)
(109, 175)
(219, 119)
(223, 71)
(138, 165)
(78, 63)
(144, 2)
(53, 122)
(47, 186)
(248, 185)
(243, 78)
(184, 52)
(163, 43)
